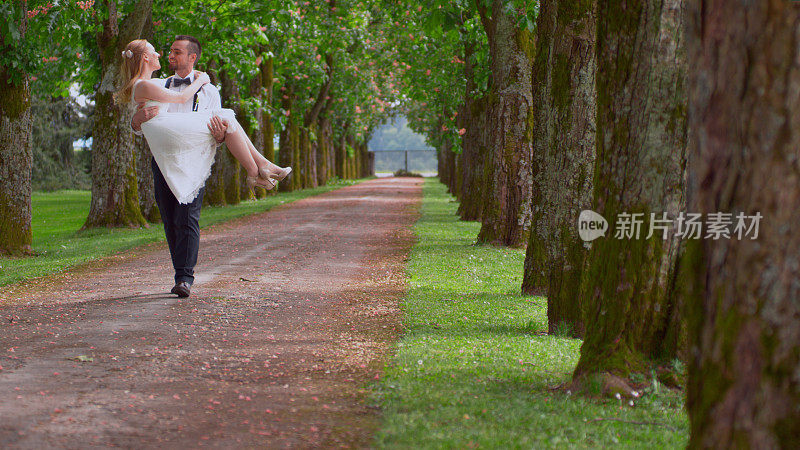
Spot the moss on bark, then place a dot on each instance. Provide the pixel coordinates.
(115, 197)
(628, 284)
(563, 146)
(507, 212)
(741, 295)
(16, 161)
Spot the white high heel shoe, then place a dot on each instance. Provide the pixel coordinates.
(267, 183)
(278, 175)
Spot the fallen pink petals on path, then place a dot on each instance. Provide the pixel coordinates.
(292, 315)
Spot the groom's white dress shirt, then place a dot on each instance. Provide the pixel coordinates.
(207, 98)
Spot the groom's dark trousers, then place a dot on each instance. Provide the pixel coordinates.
(180, 225)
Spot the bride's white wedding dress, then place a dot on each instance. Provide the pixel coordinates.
(183, 146)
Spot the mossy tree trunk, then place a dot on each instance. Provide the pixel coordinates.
(285, 155)
(741, 294)
(350, 157)
(341, 152)
(304, 158)
(115, 192)
(631, 314)
(16, 159)
(458, 184)
(252, 124)
(325, 161)
(364, 160)
(231, 170)
(214, 194)
(369, 163)
(144, 178)
(474, 153)
(441, 166)
(287, 140)
(563, 148)
(144, 158)
(450, 167)
(507, 211)
(295, 143)
(332, 150)
(267, 82)
(310, 150)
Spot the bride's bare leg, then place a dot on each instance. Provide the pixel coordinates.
(267, 168)
(237, 143)
(257, 166)
(261, 160)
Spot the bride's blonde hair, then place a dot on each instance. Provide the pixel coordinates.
(132, 68)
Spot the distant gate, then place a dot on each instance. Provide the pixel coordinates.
(409, 160)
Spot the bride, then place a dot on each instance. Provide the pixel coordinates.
(182, 145)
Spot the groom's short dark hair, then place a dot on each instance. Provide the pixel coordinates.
(194, 44)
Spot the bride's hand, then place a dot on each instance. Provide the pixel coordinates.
(203, 77)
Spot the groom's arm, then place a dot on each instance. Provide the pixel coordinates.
(217, 126)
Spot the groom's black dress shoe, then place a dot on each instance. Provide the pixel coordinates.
(181, 289)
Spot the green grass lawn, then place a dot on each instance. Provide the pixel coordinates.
(59, 242)
(475, 368)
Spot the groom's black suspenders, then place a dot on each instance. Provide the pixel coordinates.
(194, 101)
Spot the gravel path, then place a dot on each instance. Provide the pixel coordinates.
(292, 316)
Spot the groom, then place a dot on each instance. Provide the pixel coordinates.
(181, 221)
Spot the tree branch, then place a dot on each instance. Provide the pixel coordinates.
(315, 110)
(133, 24)
(486, 20)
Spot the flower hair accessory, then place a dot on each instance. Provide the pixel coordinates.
(127, 54)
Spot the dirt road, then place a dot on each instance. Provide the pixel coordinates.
(292, 315)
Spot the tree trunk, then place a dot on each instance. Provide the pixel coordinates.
(288, 141)
(332, 156)
(255, 132)
(16, 160)
(115, 196)
(231, 170)
(450, 167)
(325, 168)
(214, 194)
(369, 163)
(267, 81)
(323, 158)
(285, 155)
(144, 177)
(474, 153)
(563, 148)
(361, 156)
(303, 158)
(630, 307)
(311, 148)
(458, 170)
(507, 211)
(441, 166)
(144, 157)
(341, 153)
(363, 163)
(350, 157)
(742, 304)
